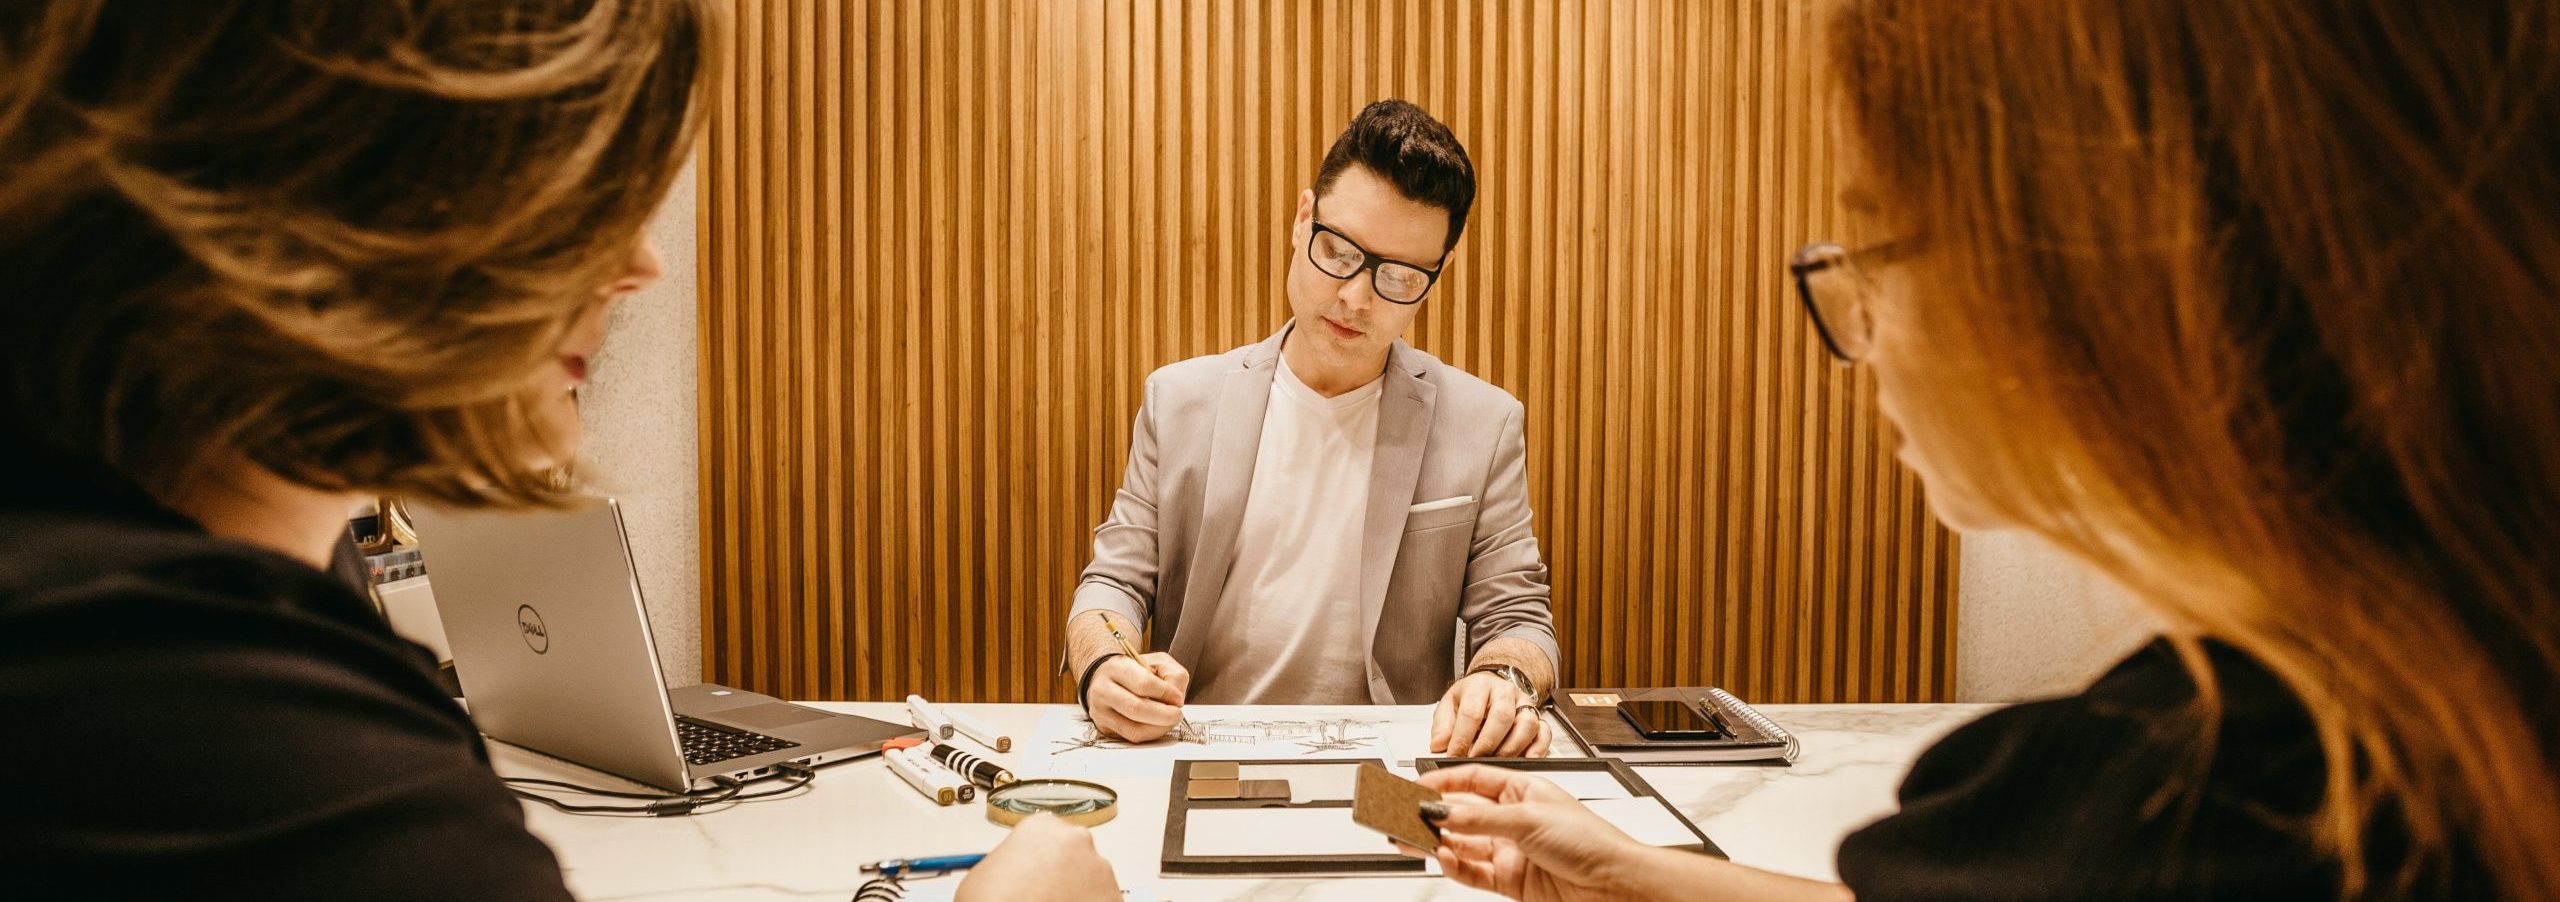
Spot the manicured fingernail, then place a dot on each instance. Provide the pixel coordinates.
(1433, 811)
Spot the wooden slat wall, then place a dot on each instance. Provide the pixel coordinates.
(944, 242)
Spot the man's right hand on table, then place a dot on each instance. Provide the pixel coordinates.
(1138, 700)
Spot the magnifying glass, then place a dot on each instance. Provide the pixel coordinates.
(1074, 801)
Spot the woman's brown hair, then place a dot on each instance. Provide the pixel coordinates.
(334, 237)
(2256, 305)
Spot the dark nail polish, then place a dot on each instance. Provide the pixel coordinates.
(1434, 811)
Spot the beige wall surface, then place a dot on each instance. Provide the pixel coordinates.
(640, 422)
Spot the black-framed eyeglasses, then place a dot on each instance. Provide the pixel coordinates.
(1336, 255)
(1835, 291)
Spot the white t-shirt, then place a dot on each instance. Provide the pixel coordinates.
(1288, 628)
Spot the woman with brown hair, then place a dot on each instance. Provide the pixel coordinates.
(263, 260)
(2253, 306)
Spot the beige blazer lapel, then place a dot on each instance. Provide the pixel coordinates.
(1405, 405)
(1233, 448)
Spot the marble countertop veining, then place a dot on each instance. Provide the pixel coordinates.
(810, 846)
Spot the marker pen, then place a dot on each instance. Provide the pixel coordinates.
(918, 777)
(974, 729)
(980, 771)
(942, 777)
(928, 717)
(898, 867)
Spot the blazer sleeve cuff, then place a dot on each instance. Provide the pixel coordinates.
(1095, 595)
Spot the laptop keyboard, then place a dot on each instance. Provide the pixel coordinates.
(710, 743)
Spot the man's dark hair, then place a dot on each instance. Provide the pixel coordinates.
(1413, 152)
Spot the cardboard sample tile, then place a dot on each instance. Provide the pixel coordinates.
(1213, 770)
(1262, 789)
(1308, 782)
(1392, 805)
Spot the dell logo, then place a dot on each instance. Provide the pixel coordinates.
(529, 621)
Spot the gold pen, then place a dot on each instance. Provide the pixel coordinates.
(1184, 726)
(1709, 707)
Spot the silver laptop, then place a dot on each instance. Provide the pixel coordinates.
(553, 650)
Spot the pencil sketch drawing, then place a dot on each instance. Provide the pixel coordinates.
(1311, 736)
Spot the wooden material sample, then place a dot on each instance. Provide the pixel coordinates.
(1392, 805)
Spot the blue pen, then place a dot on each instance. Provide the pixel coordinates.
(899, 867)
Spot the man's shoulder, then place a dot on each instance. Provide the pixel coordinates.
(1459, 390)
(1202, 379)
(1189, 385)
(1205, 370)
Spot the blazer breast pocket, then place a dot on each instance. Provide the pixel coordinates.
(1442, 513)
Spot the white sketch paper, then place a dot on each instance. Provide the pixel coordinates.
(1647, 819)
(1258, 832)
(1066, 744)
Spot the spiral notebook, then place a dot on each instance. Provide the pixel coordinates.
(1591, 716)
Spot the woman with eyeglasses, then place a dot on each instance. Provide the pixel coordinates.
(2254, 307)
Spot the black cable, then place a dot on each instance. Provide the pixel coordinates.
(663, 806)
(727, 791)
(612, 793)
(806, 774)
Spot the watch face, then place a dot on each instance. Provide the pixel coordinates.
(1519, 680)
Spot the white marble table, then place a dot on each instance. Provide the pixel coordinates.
(809, 846)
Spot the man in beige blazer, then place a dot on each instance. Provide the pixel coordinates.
(1325, 516)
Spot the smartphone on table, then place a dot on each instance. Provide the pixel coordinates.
(1671, 720)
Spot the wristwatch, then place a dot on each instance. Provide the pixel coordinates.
(1519, 680)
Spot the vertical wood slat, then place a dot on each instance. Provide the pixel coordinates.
(944, 244)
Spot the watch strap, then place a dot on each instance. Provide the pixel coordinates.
(1086, 683)
(1510, 674)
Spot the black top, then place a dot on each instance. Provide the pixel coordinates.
(200, 718)
(2081, 798)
